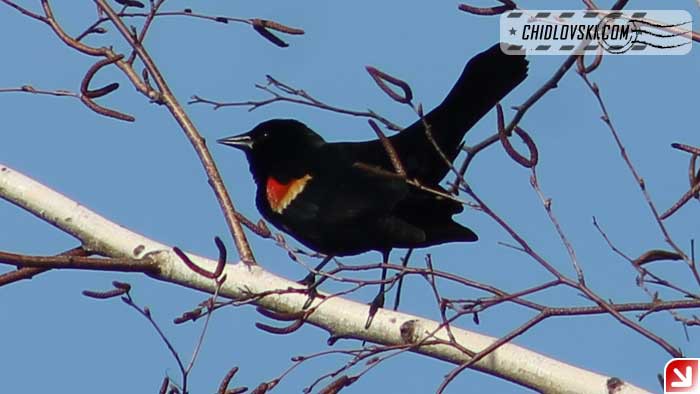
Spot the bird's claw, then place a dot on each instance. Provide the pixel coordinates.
(374, 306)
(309, 281)
(312, 297)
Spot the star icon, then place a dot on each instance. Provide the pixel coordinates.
(512, 31)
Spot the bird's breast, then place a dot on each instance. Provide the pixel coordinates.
(280, 195)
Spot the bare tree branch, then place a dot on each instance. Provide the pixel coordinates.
(341, 317)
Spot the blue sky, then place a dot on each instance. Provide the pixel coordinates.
(145, 176)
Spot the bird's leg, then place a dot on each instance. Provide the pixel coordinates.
(310, 281)
(404, 263)
(378, 301)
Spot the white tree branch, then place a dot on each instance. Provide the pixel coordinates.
(339, 316)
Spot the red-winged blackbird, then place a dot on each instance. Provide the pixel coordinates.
(327, 196)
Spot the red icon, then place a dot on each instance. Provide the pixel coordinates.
(681, 376)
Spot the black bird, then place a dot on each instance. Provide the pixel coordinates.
(344, 198)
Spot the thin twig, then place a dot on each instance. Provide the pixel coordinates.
(197, 141)
(78, 261)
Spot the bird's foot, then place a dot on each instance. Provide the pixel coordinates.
(312, 296)
(309, 281)
(374, 306)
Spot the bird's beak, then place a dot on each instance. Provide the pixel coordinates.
(241, 141)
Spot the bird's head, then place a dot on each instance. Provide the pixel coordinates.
(276, 146)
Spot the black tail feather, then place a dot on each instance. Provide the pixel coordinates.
(487, 79)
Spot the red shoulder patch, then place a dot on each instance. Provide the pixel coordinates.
(280, 195)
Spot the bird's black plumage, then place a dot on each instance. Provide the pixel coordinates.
(486, 79)
(338, 207)
(344, 209)
(326, 196)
